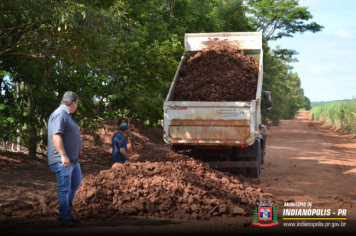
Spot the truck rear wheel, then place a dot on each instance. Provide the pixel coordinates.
(254, 172)
(243, 171)
(260, 161)
(235, 157)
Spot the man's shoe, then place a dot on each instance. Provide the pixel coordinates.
(74, 220)
(67, 223)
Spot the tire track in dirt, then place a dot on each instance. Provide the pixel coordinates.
(334, 152)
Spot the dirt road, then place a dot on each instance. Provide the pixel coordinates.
(305, 162)
(309, 162)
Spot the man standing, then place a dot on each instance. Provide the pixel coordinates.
(64, 145)
(119, 147)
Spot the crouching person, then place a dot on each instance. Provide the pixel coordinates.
(119, 147)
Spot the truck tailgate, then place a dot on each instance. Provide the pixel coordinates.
(199, 123)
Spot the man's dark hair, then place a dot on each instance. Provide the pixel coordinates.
(69, 97)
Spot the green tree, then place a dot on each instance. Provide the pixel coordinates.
(119, 56)
(307, 105)
(45, 29)
(126, 70)
(277, 19)
(5, 124)
(288, 96)
(233, 15)
(281, 18)
(37, 39)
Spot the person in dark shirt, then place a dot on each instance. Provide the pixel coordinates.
(119, 147)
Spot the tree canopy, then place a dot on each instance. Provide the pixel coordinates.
(45, 29)
(281, 18)
(120, 57)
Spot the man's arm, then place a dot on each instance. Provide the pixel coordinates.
(124, 153)
(58, 143)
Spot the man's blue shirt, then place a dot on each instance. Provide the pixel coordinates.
(62, 122)
(118, 141)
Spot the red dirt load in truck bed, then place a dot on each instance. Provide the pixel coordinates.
(218, 73)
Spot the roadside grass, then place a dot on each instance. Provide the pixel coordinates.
(340, 115)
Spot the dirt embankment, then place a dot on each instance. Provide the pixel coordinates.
(218, 73)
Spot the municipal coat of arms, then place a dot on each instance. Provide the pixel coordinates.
(265, 215)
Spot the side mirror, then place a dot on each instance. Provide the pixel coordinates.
(269, 101)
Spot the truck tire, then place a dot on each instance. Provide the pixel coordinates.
(262, 156)
(254, 172)
(260, 161)
(243, 171)
(262, 151)
(235, 157)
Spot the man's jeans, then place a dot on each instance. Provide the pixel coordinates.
(69, 180)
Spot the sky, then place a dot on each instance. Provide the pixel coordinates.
(327, 59)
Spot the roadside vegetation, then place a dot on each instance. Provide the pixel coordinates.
(340, 115)
(322, 103)
(121, 56)
(319, 104)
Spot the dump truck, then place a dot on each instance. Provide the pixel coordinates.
(226, 134)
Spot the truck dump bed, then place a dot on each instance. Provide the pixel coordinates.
(215, 123)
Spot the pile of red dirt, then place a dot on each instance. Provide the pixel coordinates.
(218, 73)
(169, 186)
(159, 183)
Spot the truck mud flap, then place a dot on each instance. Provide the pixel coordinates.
(254, 152)
(232, 165)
